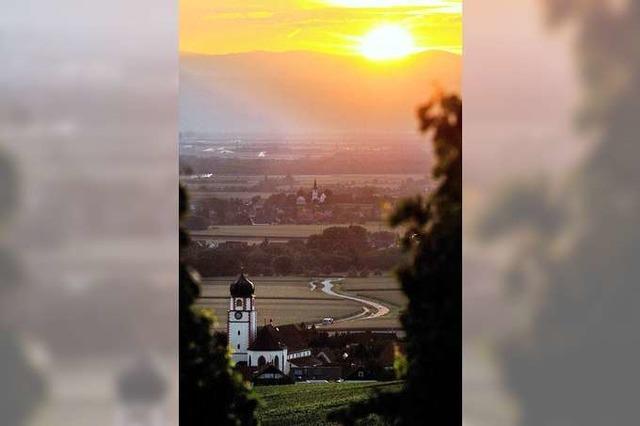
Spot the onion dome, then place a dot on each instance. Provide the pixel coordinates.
(242, 287)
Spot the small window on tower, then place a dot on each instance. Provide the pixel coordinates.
(238, 303)
(238, 332)
(238, 345)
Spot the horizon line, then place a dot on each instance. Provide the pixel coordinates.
(452, 51)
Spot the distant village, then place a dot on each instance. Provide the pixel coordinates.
(349, 248)
(319, 204)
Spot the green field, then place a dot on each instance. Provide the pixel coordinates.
(308, 404)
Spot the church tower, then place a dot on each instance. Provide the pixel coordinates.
(314, 191)
(242, 326)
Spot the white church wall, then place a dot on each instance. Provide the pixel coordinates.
(253, 323)
(239, 336)
(241, 328)
(269, 356)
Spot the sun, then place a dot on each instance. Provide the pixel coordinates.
(387, 42)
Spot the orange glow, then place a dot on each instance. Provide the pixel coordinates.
(343, 27)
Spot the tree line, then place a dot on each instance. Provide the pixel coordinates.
(350, 250)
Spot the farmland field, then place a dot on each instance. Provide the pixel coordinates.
(287, 300)
(266, 287)
(198, 194)
(382, 282)
(309, 404)
(394, 298)
(384, 289)
(276, 231)
(306, 180)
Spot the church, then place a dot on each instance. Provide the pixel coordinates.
(260, 348)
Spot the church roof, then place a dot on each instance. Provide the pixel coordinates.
(293, 336)
(270, 338)
(242, 287)
(267, 339)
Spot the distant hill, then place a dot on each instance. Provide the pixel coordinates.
(308, 92)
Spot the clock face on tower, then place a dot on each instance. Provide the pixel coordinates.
(238, 315)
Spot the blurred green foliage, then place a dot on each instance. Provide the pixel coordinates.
(211, 392)
(432, 282)
(23, 384)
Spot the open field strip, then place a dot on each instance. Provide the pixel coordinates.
(292, 299)
(285, 311)
(383, 282)
(202, 195)
(285, 300)
(276, 231)
(384, 289)
(391, 320)
(393, 298)
(307, 180)
(372, 309)
(266, 289)
(309, 404)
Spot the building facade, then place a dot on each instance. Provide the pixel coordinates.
(258, 348)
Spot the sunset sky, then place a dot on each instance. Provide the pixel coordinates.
(348, 27)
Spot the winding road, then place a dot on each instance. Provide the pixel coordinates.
(370, 309)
